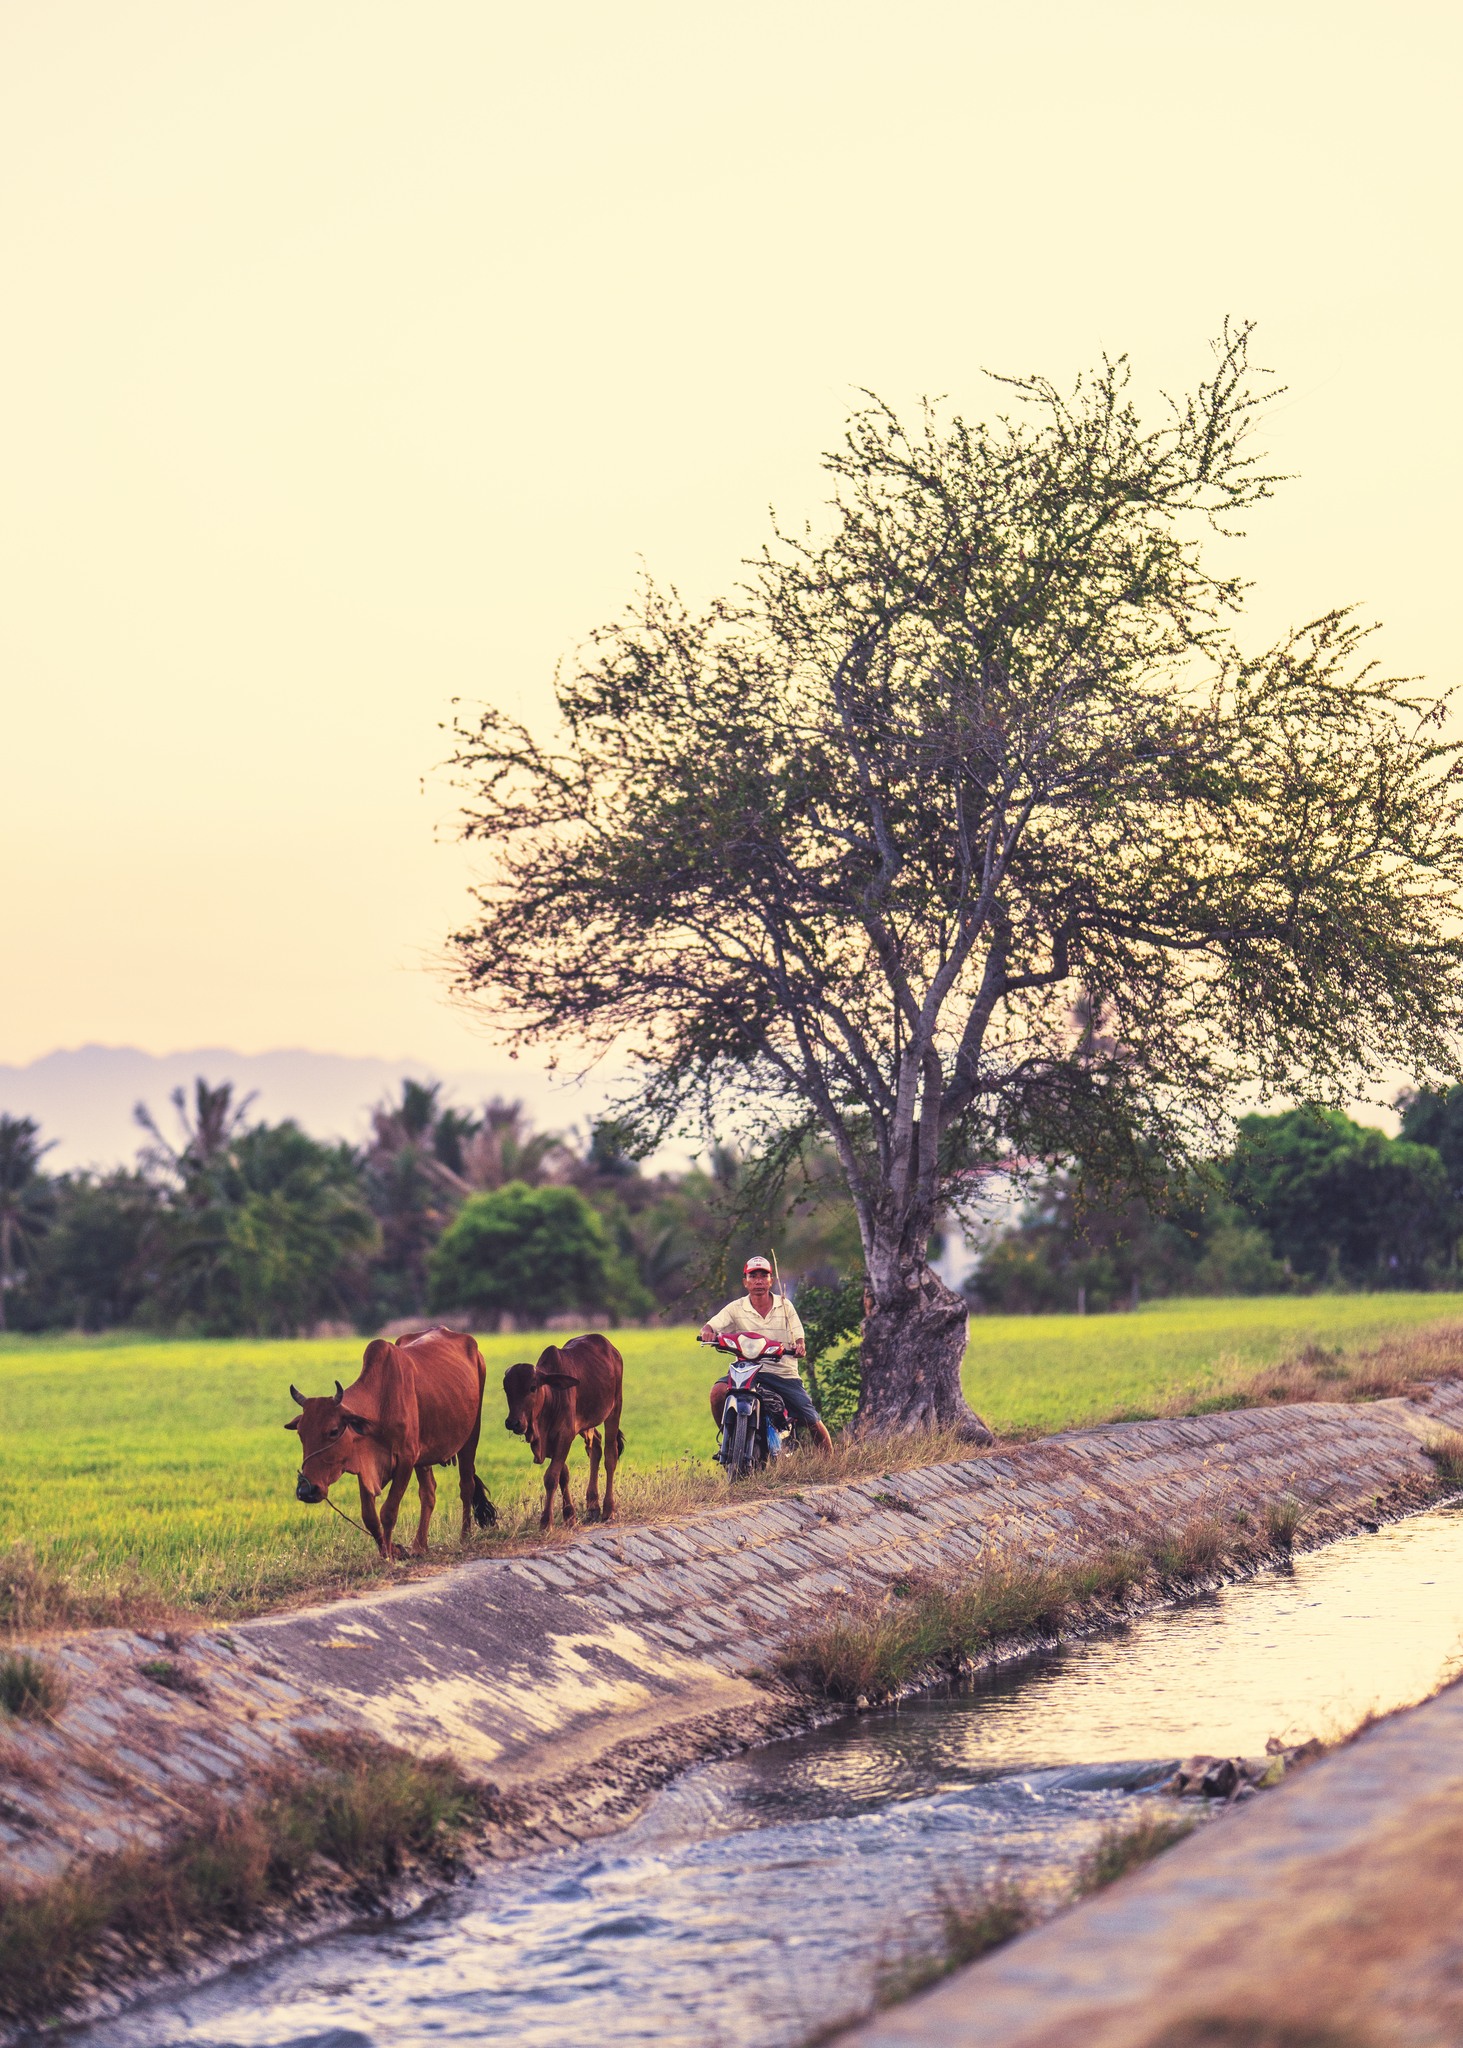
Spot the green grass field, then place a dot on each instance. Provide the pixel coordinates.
(166, 1465)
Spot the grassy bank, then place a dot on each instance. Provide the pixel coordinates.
(1058, 1372)
(873, 1648)
(158, 1477)
(341, 1829)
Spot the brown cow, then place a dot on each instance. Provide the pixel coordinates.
(576, 1389)
(417, 1403)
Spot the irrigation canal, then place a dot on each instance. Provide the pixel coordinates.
(758, 1900)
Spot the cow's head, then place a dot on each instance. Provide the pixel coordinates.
(332, 1441)
(526, 1391)
(530, 1390)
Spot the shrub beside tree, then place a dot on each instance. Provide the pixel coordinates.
(531, 1253)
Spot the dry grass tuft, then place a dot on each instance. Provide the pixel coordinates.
(173, 1677)
(35, 1598)
(362, 1807)
(972, 1923)
(1195, 1549)
(29, 1690)
(691, 1485)
(1284, 1520)
(1123, 1849)
(1218, 2030)
(1318, 1373)
(1446, 1451)
(872, 1648)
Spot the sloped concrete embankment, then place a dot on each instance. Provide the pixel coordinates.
(577, 1678)
(1326, 1918)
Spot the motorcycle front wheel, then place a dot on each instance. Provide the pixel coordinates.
(736, 1445)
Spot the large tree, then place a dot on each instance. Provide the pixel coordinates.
(966, 830)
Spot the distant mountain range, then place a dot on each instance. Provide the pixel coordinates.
(83, 1099)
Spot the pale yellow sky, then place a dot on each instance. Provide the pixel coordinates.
(355, 353)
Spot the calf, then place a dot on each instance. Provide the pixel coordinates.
(576, 1389)
(417, 1403)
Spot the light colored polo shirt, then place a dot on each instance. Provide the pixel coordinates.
(782, 1323)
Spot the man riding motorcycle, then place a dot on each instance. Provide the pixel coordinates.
(760, 1313)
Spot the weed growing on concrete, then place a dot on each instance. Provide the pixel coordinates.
(1446, 1451)
(1216, 2030)
(363, 1807)
(27, 1688)
(972, 1923)
(1193, 1549)
(370, 1805)
(873, 1649)
(1283, 1521)
(1123, 1849)
(172, 1676)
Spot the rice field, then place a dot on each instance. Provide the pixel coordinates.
(163, 1468)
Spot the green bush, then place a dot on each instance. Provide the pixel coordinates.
(534, 1252)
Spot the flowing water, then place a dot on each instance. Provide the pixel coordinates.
(758, 1900)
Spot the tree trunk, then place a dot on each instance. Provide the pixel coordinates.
(913, 1345)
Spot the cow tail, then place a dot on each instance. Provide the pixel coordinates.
(619, 1443)
(483, 1511)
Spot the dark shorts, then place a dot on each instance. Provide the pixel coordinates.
(798, 1400)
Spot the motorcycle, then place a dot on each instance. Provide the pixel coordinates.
(755, 1424)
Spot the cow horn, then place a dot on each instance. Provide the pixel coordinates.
(339, 1391)
(296, 1396)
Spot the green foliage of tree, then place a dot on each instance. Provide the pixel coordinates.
(423, 1160)
(1066, 1254)
(1237, 1259)
(1340, 1201)
(530, 1253)
(1434, 1116)
(411, 1196)
(279, 1238)
(97, 1268)
(264, 1230)
(833, 1367)
(968, 830)
(27, 1201)
(1307, 1198)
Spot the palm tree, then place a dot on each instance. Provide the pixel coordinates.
(209, 1135)
(422, 1162)
(499, 1146)
(26, 1197)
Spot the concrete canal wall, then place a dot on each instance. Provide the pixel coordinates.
(1325, 1917)
(606, 1660)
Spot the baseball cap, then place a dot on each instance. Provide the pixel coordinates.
(757, 1264)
